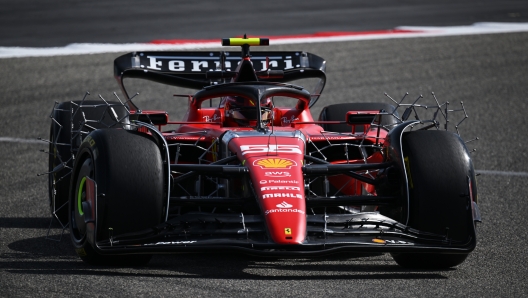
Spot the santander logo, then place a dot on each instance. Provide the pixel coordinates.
(284, 205)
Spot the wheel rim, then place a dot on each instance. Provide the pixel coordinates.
(81, 196)
(78, 226)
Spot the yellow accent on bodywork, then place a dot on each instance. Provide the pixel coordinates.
(275, 163)
(243, 41)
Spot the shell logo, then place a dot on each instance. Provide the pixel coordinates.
(274, 163)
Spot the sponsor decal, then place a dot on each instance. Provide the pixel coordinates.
(156, 63)
(286, 120)
(381, 241)
(287, 231)
(270, 149)
(344, 137)
(279, 187)
(283, 210)
(277, 174)
(284, 205)
(214, 118)
(172, 243)
(198, 64)
(182, 138)
(279, 181)
(281, 195)
(396, 242)
(90, 141)
(274, 163)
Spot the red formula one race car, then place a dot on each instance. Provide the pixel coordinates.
(254, 172)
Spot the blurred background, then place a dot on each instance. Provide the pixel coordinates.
(51, 23)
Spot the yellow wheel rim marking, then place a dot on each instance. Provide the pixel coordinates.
(79, 196)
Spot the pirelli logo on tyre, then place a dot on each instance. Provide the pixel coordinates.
(90, 141)
(275, 163)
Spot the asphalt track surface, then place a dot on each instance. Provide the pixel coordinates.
(58, 23)
(487, 72)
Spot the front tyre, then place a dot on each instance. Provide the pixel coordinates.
(128, 171)
(441, 182)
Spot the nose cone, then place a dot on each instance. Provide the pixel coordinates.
(278, 183)
(276, 173)
(286, 223)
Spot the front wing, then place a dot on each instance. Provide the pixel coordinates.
(365, 232)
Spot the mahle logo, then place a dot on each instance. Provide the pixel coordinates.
(274, 163)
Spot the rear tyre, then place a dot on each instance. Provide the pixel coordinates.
(337, 112)
(440, 173)
(61, 152)
(128, 170)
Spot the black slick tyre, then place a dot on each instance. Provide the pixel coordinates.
(337, 112)
(128, 169)
(440, 174)
(62, 149)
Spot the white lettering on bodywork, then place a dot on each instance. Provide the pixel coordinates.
(270, 148)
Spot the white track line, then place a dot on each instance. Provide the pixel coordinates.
(23, 141)
(482, 172)
(87, 48)
(502, 173)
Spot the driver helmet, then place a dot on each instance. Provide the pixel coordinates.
(243, 111)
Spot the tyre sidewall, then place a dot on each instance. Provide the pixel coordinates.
(128, 172)
(125, 163)
(438, 170)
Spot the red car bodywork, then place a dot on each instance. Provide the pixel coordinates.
(286, 184)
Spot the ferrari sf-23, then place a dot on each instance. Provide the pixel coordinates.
(255, 172)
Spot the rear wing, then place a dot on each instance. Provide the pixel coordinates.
(196, 70)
